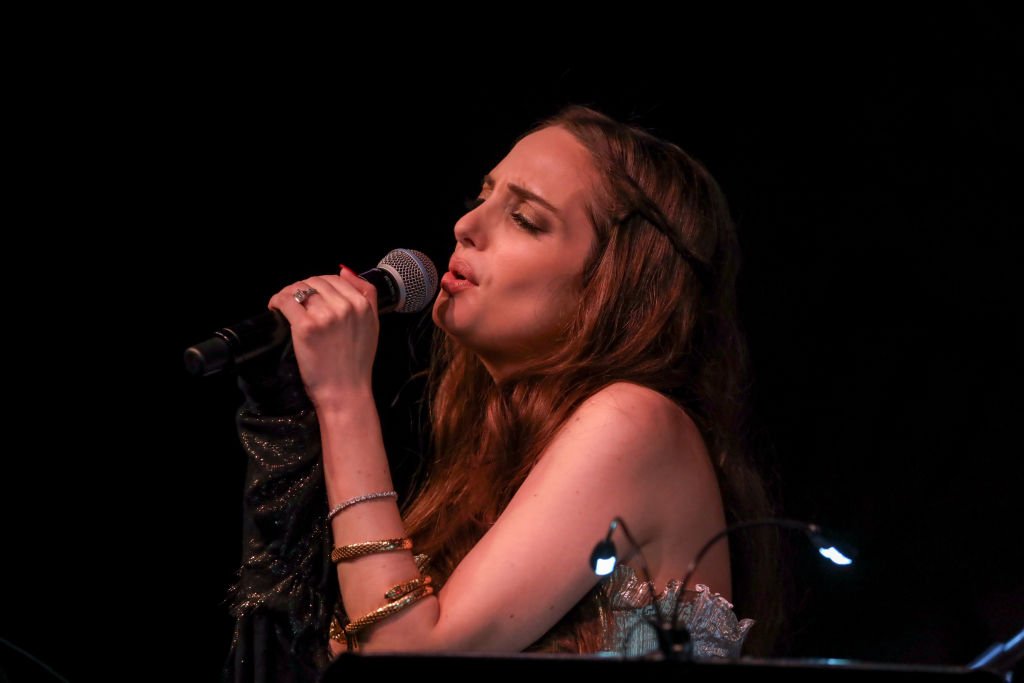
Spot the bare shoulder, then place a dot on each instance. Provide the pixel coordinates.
(652, 426)
(634, 400)
(666, 485)
(639, 407)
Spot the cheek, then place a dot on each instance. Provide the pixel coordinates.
(540, 298)
(535, 274)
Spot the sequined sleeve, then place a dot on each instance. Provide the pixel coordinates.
(285, 587)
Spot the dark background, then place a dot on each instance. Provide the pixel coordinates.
(872, 168)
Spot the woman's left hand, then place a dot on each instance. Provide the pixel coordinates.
(334, 332)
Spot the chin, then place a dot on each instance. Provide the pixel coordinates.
(439, 310)
(455, 321)
(444, 315)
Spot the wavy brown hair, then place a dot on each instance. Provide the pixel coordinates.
(659, 310)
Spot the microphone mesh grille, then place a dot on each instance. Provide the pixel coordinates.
(418, 278)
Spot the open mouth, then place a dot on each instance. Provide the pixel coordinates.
(461, 272)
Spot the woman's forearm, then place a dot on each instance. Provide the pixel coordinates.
(355, 464)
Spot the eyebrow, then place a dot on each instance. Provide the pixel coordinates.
(523, 193)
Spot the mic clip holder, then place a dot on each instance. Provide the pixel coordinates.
(674, 642)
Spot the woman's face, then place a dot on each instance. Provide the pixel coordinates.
(519, 254)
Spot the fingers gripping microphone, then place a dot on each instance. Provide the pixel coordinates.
(405, 281)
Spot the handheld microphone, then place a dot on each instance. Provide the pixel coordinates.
(406, 281)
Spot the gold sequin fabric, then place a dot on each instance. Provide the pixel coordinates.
(286, 585)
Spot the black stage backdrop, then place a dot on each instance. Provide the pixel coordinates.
(872, 171)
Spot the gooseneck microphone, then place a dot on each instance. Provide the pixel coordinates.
(826, 547)
(406, 281)
(673, 637)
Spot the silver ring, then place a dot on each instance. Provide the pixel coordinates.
(303, 294)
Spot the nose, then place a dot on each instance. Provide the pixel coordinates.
(468, 230)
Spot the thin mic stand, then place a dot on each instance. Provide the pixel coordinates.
(672, 642)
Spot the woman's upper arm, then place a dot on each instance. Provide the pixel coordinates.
(532, 566)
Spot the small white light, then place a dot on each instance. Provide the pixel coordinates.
(604, 566)
(834, 555)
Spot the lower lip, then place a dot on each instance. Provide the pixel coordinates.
(452, 284)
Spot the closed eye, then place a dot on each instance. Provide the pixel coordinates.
(525, 223)
(522, 221)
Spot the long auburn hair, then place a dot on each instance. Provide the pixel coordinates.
(659, 310)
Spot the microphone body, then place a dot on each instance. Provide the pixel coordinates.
(405, 281)
(237, 343)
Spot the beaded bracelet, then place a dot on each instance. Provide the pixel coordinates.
(354, 550)
(359, 499)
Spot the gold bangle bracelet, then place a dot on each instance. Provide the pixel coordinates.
(354, 550)
(407, 587)
(357, 625)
